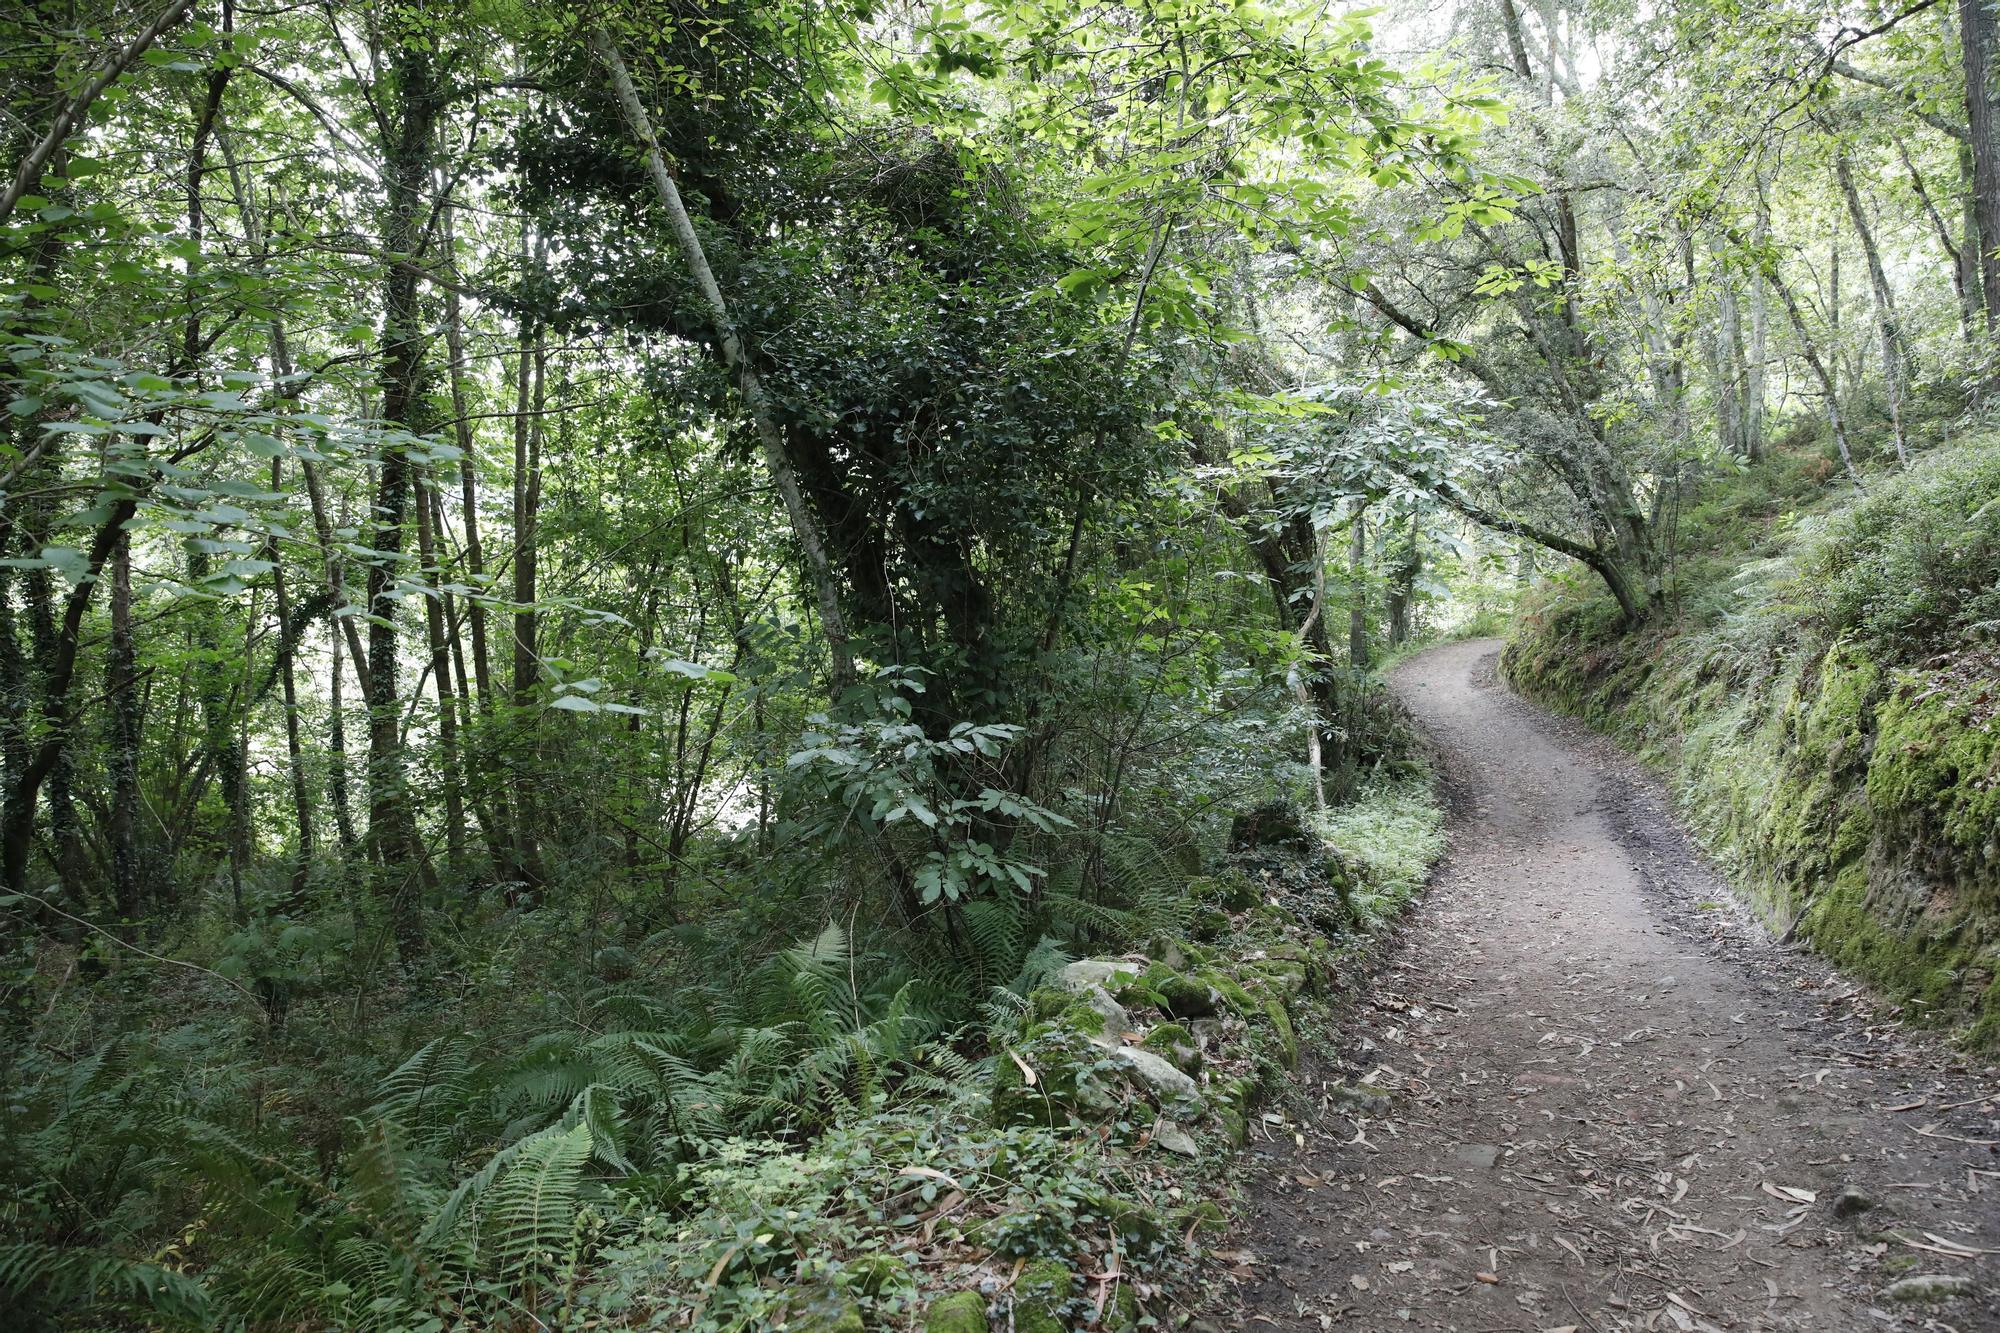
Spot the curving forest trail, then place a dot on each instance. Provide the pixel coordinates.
(1614, 1102)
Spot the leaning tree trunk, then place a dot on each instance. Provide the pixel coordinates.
(748, 383)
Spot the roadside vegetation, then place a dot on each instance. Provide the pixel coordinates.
(1824, 703)
(716, 664)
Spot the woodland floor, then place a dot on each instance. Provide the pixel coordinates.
(1617, 1102)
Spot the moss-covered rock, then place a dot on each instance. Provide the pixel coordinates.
(1041, 1294)
(1176, 1044)
(1210, 924)
(1138, 1225)
(1073, 1078)
(1231, 1100)
(1178, 993)
(1282, 975)
(960, 1312)
(1281, 1024)
(845, 1320)
(1204, 1216)
(874, 1274)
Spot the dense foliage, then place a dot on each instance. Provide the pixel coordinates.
(595, 599)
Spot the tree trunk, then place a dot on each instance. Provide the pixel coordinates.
(1976, 48)
(1760, 336)
(121, 689)
(1821, 372)
(1967, 293)
(336, 754)
(450, 775)
(528, 403)
(1406, 562)
(1357, 586)
(748, 383)
(497, 824)
(1897, 370)
(1724, 370)
(405, 874)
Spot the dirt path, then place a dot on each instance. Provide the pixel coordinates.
(1616, 1103)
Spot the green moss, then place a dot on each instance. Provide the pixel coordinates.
(848, 1320)
(1137, 1224)
(1281, 1023)
(1211, 924)
(1176, 1044)
(1206, 1215)
(1040, 1295)
(1124, 1311)
(1175, 992)
(1070, 1083)
(1825, 710)
(1232, 994)
(1282, 975)
(1937, 762)
(960, 1312)
(876, 1273)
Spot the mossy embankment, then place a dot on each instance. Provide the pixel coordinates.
(1824, 697)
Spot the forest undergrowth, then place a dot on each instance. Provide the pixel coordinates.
(846, 1136)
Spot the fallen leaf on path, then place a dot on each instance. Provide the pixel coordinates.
(1932, 1131)
(1909, 1106)
(1790, 1193)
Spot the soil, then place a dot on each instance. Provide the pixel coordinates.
(1614, 1100)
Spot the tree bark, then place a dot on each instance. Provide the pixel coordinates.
(121, 689)
(336, 754)
(1976, 49)
(407, 148)
(1760, 336)
(1357, 586)
(529, 395)
(748, 383)
(450, 775)
(1967, 294)
(1897, 370)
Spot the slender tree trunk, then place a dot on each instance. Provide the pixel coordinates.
(405, 873)
(121, 689)
(748, 383)
(1896, 363)
(336, 753)
(1316, 724)
(450, 775)
(1357, 587)
(529, 400)
(1725, 356)
(295, 759)
(1821, 372)
(1406, 563)
(1760, 335)
(497, 823)
(1968, 296)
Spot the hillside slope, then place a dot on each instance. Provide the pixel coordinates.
(1825, 701)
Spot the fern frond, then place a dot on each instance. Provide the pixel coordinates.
(530, 1210)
